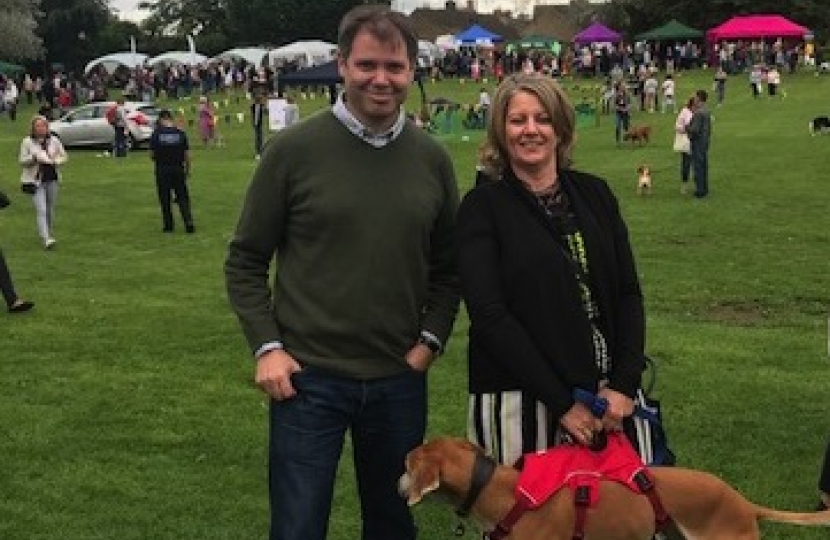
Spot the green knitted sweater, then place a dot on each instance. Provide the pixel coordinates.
(363, 243)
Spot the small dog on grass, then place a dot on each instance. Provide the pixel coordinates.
(819, 124)
(644, 180)
(639, 134)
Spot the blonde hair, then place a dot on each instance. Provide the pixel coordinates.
(493, 152)
(37, 118)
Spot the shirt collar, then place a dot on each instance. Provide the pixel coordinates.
(354, 125)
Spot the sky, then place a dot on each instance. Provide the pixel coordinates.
(128, 9)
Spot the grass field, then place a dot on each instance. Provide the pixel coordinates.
(127, 408)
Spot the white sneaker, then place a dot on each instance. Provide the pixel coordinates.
(49, 243)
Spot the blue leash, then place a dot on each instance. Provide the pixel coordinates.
(599, 405)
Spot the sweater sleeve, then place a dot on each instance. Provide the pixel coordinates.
(443, 295)
(253, 247)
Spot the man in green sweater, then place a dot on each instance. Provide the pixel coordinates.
(357, 208)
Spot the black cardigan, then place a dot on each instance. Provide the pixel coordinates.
(528, 328)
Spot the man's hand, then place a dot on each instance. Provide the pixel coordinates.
(273, 374)
(419, 357)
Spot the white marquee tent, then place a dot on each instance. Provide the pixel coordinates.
(305, 53)
(112, 61)
(177, 57)
(253, 55)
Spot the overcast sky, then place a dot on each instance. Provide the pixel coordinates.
(127, 9)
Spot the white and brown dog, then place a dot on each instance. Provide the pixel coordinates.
(702, 506)
(644, 180)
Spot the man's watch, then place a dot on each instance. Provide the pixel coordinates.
(431, 343)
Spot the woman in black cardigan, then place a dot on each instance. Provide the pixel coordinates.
(550, 284)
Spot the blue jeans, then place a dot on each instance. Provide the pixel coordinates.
(700, 167)
(120, 145)
(622, 123)
(386, 417)
(685, 166)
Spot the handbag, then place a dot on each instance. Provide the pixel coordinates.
(28, 187)
(682, 143)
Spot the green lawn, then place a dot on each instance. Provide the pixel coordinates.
(127, 408)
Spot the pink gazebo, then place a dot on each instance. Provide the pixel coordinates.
(756, 27)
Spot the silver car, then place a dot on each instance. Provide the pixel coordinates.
(87, 125)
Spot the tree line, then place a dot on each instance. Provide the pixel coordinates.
(71, 32)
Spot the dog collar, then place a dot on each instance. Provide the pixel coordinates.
(483, 469)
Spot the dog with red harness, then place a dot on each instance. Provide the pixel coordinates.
(576, 493)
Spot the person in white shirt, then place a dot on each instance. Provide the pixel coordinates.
(650, 90)
(668, 93)
(10, 97)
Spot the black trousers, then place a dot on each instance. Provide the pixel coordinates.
(6, 286)
(169, 181)
(258, 139)
(824, 479)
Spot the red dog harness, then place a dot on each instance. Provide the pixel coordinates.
(581, 469)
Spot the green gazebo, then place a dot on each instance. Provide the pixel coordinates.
(672, 30)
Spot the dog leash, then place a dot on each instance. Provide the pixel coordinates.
(599, 405)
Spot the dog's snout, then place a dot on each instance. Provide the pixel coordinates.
(404, 485)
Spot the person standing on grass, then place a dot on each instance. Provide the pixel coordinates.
(40, 157)
(699, 130)
(682, 144)
(622, 109)
(207, 121)
(170, 151)
(720, 85)
(365, 292)
(550, 283)
(14, 303)
(117, 117)
(668, 88)
(258, 122)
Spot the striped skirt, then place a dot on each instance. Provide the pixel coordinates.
(508, 425)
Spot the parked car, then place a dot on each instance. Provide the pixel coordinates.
(87, 125)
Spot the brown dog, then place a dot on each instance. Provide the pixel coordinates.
(702, 506)
(639, 134)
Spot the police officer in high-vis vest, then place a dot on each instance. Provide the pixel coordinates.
(170, 150)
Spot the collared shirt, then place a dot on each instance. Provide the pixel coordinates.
(354, 125)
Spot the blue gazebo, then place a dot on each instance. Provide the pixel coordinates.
(477, 35)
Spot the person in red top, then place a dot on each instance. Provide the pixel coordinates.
(64, 100)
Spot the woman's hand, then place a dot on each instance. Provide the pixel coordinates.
(581, 424)
(619, 406)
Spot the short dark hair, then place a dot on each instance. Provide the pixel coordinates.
(165, 114)
(702, 95)
(380, 21)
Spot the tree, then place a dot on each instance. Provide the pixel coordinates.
(18, 40)
(276, 22)
(637, 16)
(69, 29)
(185, 17)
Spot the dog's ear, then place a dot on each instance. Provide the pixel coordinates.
(423, 472)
